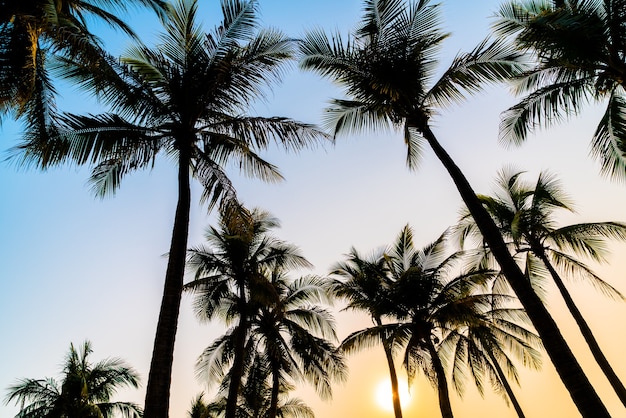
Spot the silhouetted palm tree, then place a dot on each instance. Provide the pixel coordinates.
(230, 283)
(364, 285)
(34, 32)
(428, 304)
(574, 67)
(294, 335)
(186, 98)
(486, 349)
(85, 390)
(388, 70)
(526, 215)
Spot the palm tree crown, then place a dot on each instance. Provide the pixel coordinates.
(85, 391)
(37, 31)
(574, 67)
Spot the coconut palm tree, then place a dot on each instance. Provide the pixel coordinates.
(429, 304)
(295, 335)
(526, 214)
(238, 255)
(388, 69)
(574, 67)
(187, 99)
(486, 348)
(364, 285)
(37, 31)
(85, 390)
(433, 302)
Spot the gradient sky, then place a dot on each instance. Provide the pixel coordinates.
(73, 267)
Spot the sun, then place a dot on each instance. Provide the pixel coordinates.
(383, 394)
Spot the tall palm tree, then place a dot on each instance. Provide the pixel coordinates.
(388, 69)
(364, 285)
(85, 390)
(235, 261)
(526, 215)
(429, 304)
(186, 98)
(295, 336)
(574, 67)
(36, 31)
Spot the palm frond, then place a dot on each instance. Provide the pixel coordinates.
(490, 62)
(543, 108)
(607, 144)
(575, 269)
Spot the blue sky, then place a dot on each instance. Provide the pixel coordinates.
(74, 267)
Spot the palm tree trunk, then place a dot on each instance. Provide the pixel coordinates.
(571, 373)
(159, 379)
(442, 382)
(505, 383)
(236, 370)
(585, 330)
(393, 376)
(236, 373)
(273, 411)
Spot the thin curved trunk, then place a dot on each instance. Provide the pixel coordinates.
(505, 383)
(273, 411)
(571, 373)
(236, 373)
(393, 376)
(442, 382)
(585, 330)
(236, 370)
(159, 379)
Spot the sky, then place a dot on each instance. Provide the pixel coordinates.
(75, 267)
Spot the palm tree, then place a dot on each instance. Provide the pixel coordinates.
(388, 71)
(364, 285)
(574, 67)
(486, 347)
(36, 31)
(294, 335)
(85, 391)
(526, 215)
(429, 304)
(187, 99)
(239, 254)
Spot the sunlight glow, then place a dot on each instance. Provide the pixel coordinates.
(383, 394)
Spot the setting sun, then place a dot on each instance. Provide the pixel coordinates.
(383, 394)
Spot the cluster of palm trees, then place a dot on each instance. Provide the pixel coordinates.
(278, 333)
(427, 306)
(188, 98)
